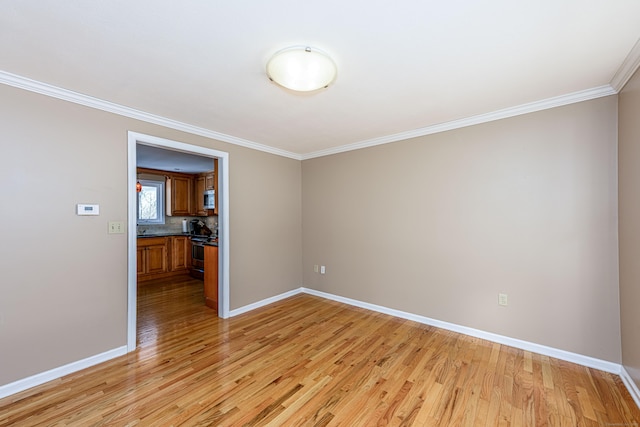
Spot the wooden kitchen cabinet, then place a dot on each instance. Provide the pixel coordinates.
(211, 276)
(185, 192)
(159, 257)
(180, 194)
(200, 186)
(152, 257)
(180, 254)
(210, 178)
(206, 181)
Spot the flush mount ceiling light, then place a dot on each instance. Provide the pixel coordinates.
(301, 68)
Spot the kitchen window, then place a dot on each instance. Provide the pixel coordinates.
(151, 202)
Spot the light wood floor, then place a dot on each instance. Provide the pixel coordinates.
(306, 361)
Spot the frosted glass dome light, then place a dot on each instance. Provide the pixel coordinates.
(301, 68)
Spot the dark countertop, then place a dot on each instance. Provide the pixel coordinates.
(162, 234)
(168, 234)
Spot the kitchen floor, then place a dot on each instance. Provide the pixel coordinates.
(161, 300)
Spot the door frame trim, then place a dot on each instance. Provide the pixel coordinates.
(135, 138)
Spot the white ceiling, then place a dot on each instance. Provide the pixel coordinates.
(405, 68)
(169, 160)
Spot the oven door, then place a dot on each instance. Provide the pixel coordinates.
(197, 259)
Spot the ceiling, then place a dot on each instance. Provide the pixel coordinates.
(404, 68)
(151, 157)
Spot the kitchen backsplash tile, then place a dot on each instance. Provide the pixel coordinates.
(173, 224)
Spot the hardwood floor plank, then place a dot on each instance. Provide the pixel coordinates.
(306, 361)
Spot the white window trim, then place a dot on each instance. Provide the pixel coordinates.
(160, 185)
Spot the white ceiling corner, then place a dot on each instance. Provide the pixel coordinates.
(627, 69)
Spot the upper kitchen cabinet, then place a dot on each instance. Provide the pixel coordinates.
(206, 181)
(211, 183)
(180, 195)
(185, 193)
(190, 180)
(200, 187)
(210, 178)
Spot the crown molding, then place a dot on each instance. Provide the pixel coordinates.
(531, 107)
(78, 98)
(627, 69)
(100, 104)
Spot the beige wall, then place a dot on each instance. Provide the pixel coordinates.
(435, 226)
(439, 225)
(629, 229)
(63, 279)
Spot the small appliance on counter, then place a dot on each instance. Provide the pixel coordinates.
(199, 228)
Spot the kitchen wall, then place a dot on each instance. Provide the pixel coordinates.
(629, 229)
(63, 279)
(439, 225)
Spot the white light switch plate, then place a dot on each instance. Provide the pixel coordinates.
(116, 227)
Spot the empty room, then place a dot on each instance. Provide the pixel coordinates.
(339, 213)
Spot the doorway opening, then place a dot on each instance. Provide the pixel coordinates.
(135, 139)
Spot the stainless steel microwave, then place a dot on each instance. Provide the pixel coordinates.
(210, 199)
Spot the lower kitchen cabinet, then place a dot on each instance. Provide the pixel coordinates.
(211, 276)
(162, 257)
(152, 257)
(180, 253)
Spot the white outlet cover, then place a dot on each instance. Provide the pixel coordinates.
(502, 299)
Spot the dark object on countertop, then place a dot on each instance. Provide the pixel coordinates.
(206, 230)
(199, 228)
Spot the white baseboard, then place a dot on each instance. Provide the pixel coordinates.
(579, 359)
(262, 303)
(53, 374)
(590, 362)
(631, 385)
